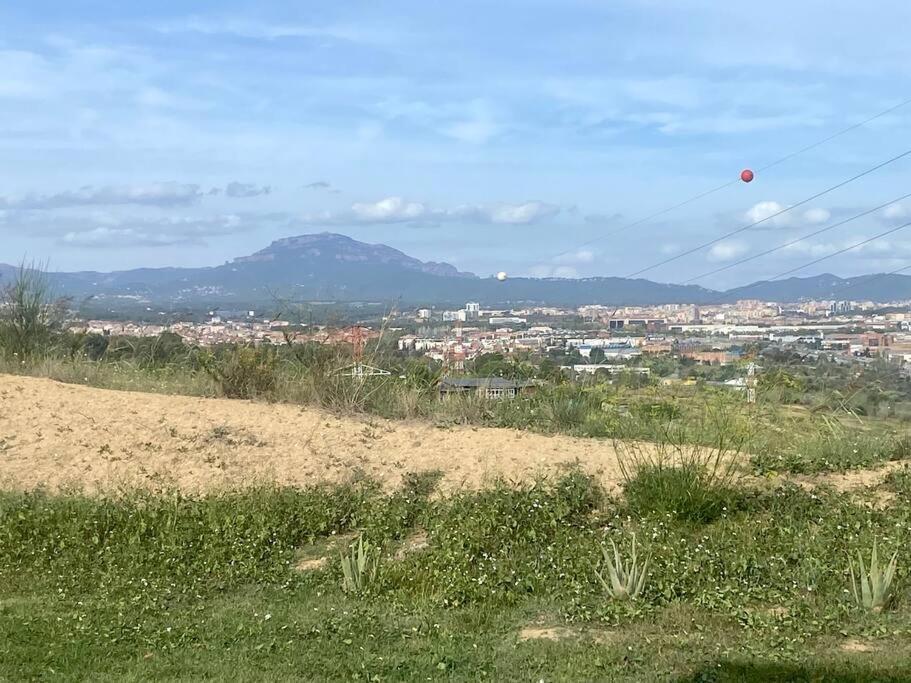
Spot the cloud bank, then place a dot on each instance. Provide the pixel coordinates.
(400, 210)
(167, 194)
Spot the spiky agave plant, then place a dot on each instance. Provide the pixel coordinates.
(359, 566)
(872, 589)
(625, 580)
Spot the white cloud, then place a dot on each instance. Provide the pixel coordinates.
(565, 265)
(547, 270)
(871, 250)
(763, 211)
(817, 216)
(893, 211)
(103, 229)
(167, 194)
(102, 237)
(389, 210)
(766, 213)
(399, 210)
(527, 212)
(727, 251)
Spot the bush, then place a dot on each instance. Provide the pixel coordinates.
(682, 491)
(243, 371)
(95, 345)
(566, 413)
(689, 474)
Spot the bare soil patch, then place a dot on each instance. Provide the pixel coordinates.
(312, 564)
(547, 633)
(558, 633)
(57, 436)
(855, 645)
(415, 543)
(317, 556)
(851, 481)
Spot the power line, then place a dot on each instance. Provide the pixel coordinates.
(834, 135)
(842, 251)
(770, 217)
(791, 243)
(718, 188)
(648, 218)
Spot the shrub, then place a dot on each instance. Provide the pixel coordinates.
(656, 410)
(678, 476)
(566, 413)
(681, 491)
(95, 345)
(243, 371)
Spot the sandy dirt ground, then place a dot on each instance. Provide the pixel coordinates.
(56, 435)
(64, 436)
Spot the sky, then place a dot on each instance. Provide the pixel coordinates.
(497, 136)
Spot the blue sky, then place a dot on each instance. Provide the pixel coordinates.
(495, 136)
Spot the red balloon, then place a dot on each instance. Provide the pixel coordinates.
(746, 175)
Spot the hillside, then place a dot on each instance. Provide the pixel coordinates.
(332, 267)
(875, 287)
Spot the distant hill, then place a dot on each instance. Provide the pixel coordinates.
(876, 287)
(332, 267)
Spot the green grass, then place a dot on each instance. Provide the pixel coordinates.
(678, 491)
(167, 587)
(824, 450)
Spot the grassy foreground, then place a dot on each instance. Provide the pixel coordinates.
(232, 587)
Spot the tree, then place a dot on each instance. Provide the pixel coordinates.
(491, 365)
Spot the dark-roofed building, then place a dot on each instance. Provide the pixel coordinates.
(484, 387)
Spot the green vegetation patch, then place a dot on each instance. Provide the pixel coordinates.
(163, 586)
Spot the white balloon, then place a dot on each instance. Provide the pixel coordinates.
(501, 276)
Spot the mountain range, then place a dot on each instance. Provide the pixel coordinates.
(332, 267)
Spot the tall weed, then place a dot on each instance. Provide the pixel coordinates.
(691, 479)
(242, 371)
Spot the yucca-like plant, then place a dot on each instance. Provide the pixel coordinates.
(359, 566)
(872, 589)
(625, 580)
